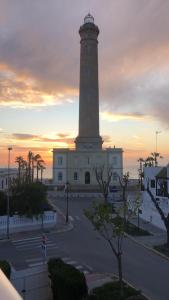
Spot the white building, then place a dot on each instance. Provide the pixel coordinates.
(13, 173)
(158, 180)
(77, 166)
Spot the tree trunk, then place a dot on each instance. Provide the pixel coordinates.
(119, 258)
(37, 178)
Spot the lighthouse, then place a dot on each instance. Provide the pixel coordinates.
(89, 136)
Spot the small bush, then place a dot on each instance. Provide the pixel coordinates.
(111, 291)
(6, 268)
(66, 281)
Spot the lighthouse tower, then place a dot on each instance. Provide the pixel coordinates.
(89, 137)
(76, 166)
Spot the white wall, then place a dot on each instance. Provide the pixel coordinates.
(18, 223)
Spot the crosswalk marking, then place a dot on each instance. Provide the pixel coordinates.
(27, 239)
(79, 267)
(35, 262)
(72, 262)
(34, 243)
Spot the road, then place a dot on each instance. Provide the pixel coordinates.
(84, 248)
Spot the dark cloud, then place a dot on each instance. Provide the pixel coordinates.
(39, 138)
(40, 47)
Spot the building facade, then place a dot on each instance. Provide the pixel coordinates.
(4, 177)
(78, 166)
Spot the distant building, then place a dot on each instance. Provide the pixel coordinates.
(77, 166)
(4, 177)
(158, 179)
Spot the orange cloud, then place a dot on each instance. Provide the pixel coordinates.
(115, 117)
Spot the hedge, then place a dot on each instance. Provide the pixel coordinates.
(66, 281)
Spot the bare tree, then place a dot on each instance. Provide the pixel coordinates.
(124, 183)
(103, 180)
(111, 229)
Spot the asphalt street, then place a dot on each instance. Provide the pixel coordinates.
(84, 248)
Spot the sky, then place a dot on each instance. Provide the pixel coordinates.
(39, 76)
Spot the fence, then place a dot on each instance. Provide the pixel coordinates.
(16, 223)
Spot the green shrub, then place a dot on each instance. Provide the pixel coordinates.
(6, 268)
(66, 281)
(111, 291)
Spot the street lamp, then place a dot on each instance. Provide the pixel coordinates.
(67, 200)
(8, 207)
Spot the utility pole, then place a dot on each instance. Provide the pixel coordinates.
(157, 132)
(8, 206)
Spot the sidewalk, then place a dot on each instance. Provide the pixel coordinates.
(60, 227)
(157, 237)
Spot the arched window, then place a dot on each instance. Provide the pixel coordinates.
(60, 176)
(75, 176)
(87, 178)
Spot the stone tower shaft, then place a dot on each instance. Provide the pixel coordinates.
(89, 137)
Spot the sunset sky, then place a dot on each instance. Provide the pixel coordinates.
(39, 76)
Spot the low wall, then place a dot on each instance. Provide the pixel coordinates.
(33, 283)
(17, 223)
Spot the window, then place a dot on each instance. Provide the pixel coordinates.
(114, 160)
(60, 176)
(60, 160)
(75, 176)
(153, 183)
(2, 183)
(87, 178)
(115, 177)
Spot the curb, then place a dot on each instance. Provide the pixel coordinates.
(147, 247)
(113, 277)
(62, 214)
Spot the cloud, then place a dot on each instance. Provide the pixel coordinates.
(110, 117)
(61, 139)
(40, 60)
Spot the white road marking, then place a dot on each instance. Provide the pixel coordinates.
(71, 218)
(72, 262)
(79, 267)
(33, 238)
(85, 272)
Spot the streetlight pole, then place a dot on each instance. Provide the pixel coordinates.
(67, 201)
(8, 206)
(157, 132)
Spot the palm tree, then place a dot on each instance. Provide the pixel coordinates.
(155, 156)
(25, 170)
(30, 158)
(19, 160)
(38, 159)
(149, 161)
(42, 168)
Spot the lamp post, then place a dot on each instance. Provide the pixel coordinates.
(8, 206)
(67, 201)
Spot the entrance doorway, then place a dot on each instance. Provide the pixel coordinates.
(87, 178)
